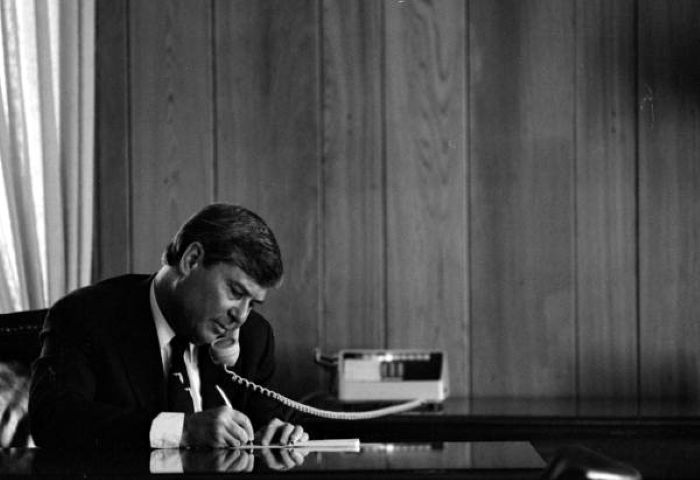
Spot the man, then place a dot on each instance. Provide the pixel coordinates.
(126, 362)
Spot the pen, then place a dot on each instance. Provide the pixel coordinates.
(223, 396)
(227, 402)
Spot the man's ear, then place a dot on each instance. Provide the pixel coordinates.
(191, 258)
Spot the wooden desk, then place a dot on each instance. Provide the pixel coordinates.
(659, 438)
(462, 419)
(447, 460)
(494, 438)
(655, 459)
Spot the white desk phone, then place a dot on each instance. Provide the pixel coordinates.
(392, 375)
(363, 375)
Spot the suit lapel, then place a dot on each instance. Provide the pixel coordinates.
(140, 350)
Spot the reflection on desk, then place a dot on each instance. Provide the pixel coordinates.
(488, 438)
(444, 460)
(465, 419)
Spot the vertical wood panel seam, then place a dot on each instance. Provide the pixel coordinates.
(96, 263)
(214, 108)
(574, 186)
(129, 147)
(321, 197)
(637, 206)
(80, 153)
(467, 196)
(384, 174)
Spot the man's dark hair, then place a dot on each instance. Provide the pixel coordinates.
(232, 234)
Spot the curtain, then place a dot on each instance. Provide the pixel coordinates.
(46, 149)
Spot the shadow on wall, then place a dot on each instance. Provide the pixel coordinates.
(683, 59)
(673, 66)
(675, 378)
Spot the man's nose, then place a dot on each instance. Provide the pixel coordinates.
(239, 312)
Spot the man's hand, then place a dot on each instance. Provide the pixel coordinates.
(284, 458)
(216, 427)
(281, 433)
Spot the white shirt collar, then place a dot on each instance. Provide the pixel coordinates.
(163, 329)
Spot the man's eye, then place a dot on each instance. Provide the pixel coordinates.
(236, 294)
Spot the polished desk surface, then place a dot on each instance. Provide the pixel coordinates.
(494, 460)
(461, 419)
(654, 459)
(490, 438)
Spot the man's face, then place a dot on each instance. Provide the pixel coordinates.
(213, 301)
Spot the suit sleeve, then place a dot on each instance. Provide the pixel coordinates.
(63, 408)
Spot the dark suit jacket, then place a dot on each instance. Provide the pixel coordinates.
(99, 378)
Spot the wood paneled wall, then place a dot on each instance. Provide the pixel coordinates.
(516, 182)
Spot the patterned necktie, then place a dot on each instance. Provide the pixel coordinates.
(178, 389)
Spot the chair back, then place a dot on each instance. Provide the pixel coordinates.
(19, 347)
(19, 336)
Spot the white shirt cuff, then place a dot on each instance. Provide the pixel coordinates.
(166, 430)
(166, 460)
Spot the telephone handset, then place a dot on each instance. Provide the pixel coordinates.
(225, 352)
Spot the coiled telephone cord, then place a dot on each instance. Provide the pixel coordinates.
(402, 407)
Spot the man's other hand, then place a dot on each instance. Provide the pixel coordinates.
(281, 433)
(284, 458)
(216, 427)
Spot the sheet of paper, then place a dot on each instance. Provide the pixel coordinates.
(325, 445)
